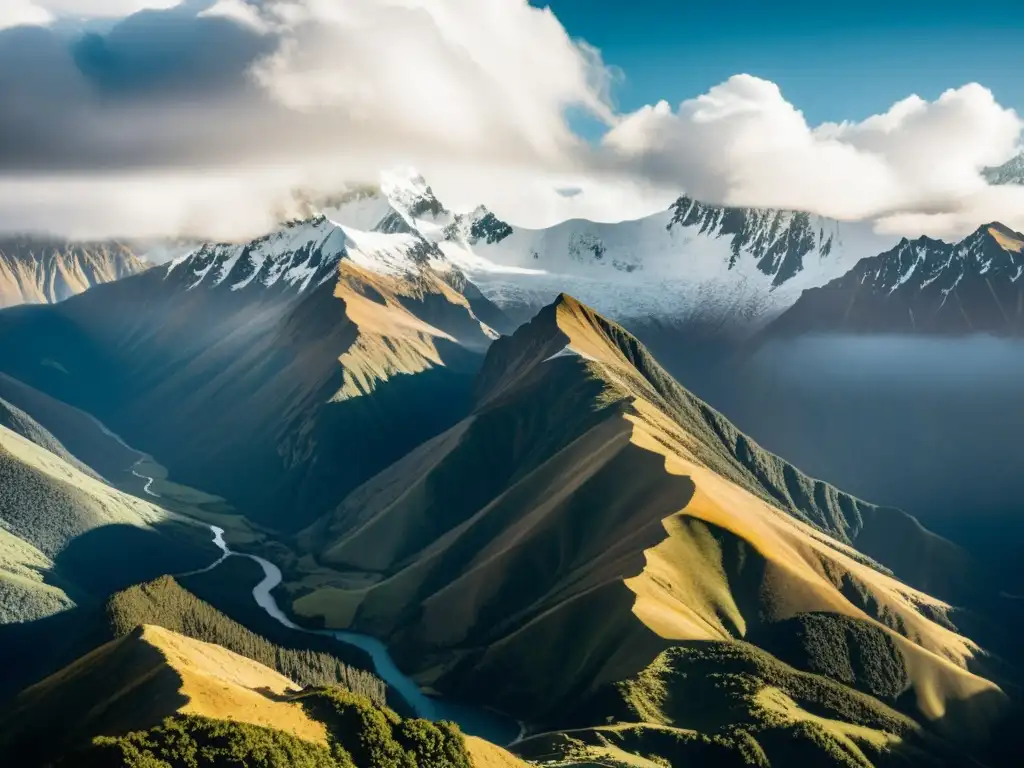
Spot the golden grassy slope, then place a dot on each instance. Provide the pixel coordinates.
(804, 570)
(483, 754)
(391, 339)
(589, 514)
(145, 677)
(225, 686)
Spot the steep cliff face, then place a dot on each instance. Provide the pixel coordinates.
(42, 271)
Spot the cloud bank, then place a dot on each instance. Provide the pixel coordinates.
(743, 144)
(201, 116)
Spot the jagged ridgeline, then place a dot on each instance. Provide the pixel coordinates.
(165, 603)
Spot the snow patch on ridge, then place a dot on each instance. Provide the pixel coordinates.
(568, 351)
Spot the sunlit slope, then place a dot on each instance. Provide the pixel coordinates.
(166, 697)
(590, 513)
(727, 704)
(138, 680)
(21, 423)
(29, 589)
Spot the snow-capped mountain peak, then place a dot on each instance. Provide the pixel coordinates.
(1010, 172)
(731, 269)
(923, 286)
(993, 249)
(409, 193)
(301, 254)
(778, 240)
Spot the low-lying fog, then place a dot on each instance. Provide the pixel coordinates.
(935, 426)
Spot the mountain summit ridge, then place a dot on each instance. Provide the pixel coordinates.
(923, 286)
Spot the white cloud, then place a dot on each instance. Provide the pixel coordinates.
(316, 93)
(239, 11)
(742, 143)
(42, 12)
(476, 79)
(14, 13)
(353, 87)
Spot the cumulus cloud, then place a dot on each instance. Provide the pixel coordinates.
(18, 12)
(202, 115)
(743, 143)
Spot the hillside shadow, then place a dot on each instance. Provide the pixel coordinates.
(267, 693)
(350, 442)
(107, 559)
(991, 728)
(93, 566)
(43, 646)
(124, 686)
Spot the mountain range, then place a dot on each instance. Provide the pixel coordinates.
(923, 286)
(36, 270)
(239, 483)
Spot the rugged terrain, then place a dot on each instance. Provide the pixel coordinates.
(700, 272)
(543, 523)
(155, 695)
(60, 523)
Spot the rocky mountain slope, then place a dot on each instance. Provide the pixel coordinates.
(248, 369)
(923, 286)
(45, 271)
(590, 514)
(709, 270)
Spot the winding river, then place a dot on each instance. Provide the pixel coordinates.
(477, 721)
(487, 724)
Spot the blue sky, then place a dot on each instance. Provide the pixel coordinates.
(834, 61)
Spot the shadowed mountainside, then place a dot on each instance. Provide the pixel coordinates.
(921, 286)
(256, 390)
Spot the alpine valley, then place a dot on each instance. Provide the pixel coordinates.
(395, 485)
